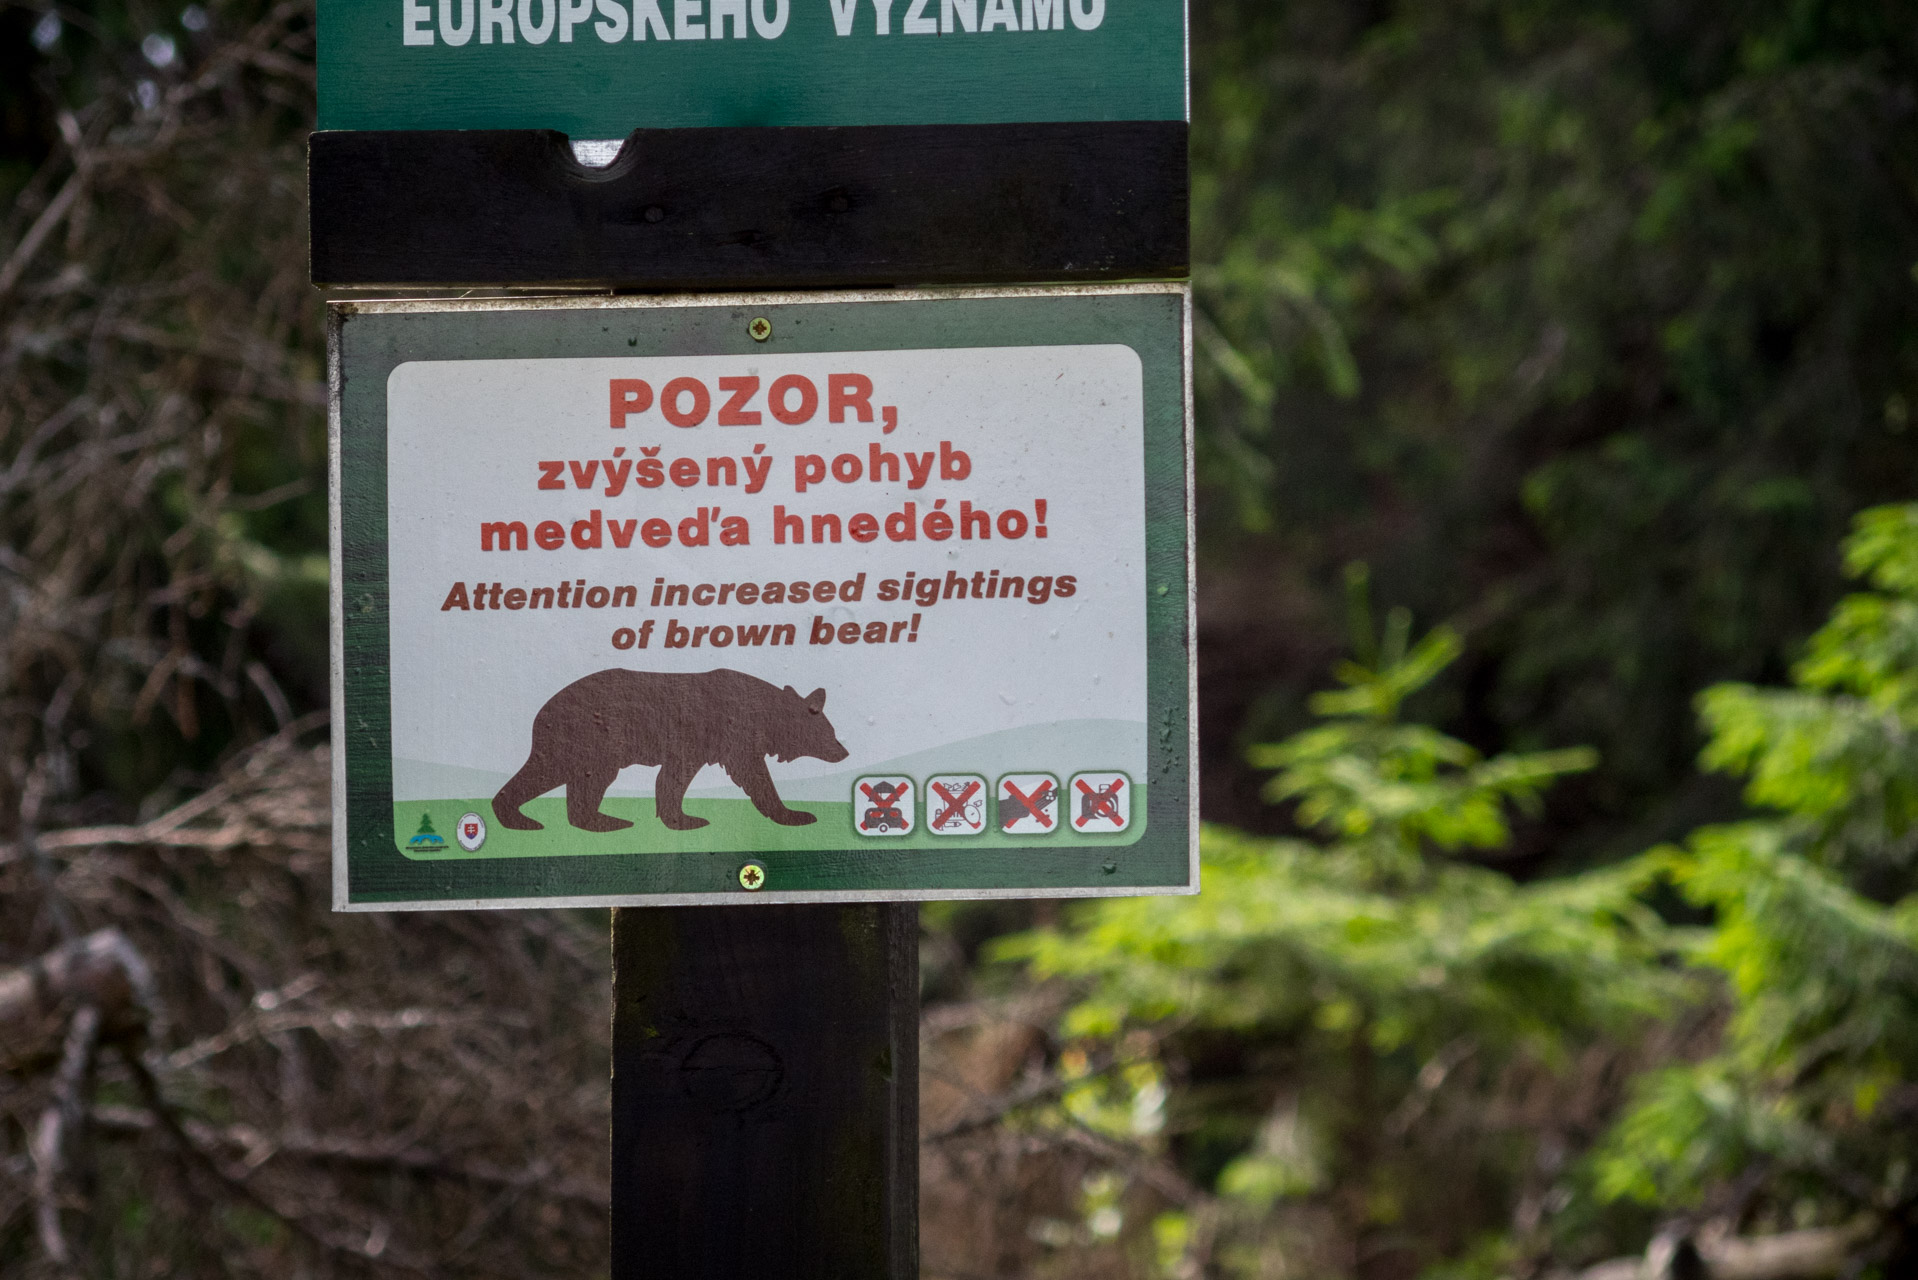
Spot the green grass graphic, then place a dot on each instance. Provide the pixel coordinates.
(734, 826)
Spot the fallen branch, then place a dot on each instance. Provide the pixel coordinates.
(228, 837)
(49, 1141)
(30, 244)
(102, 971)
(257, 1148)
(1150, 1169)
(170, 829)
(1819, 1253)
(319, 1021)
(376, 1249)
(992, 1110)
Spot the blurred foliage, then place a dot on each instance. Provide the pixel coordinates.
(1376, 987)
(297, 1093)
(1807, 1110)
(162, 398)
(1382, 1059)
(1587, 325)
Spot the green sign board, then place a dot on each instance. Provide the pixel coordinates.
(598, 69)
(775, 599)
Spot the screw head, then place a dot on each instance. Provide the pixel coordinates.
(761, 328)
(752, 877)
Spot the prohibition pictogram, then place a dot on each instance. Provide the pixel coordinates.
(882, 806)
(1028, 803)
(1101, 802)
(956, 805)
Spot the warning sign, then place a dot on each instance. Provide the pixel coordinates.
(631, 592)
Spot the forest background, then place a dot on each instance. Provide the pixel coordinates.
(1559, 670)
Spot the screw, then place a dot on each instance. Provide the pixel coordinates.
(761, 328)
(752, 877)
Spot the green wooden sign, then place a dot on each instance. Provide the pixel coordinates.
(598, 69)
(786, 598)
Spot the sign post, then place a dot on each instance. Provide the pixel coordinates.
(766, 1092)
(759, 616)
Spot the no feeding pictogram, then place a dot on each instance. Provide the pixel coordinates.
(1101, 802)
(882, 806)
(956, 805)
(1028, 804)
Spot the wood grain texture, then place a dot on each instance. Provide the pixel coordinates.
(765, 1093)
(753, 207)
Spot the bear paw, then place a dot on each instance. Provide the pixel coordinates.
(682, 821)
(514, 819)
(794, 818)
(599, 822)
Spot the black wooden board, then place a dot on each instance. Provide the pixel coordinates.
(765, 1093)
(726, 208)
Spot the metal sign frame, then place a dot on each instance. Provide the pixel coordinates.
(370, 339)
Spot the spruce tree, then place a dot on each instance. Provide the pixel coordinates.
(1806, 1113)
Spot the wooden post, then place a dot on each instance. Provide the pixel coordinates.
(765, 1093)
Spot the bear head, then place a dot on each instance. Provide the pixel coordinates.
(803, 729)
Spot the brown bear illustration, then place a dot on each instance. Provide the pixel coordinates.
(597, 725)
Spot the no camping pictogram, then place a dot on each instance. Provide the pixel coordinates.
(1029, 804)
(956, 804)
(882, 806)
(1101, 802)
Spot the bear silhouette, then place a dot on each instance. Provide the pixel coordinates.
(681, 721)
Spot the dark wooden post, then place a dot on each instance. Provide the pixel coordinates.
(765, 1093)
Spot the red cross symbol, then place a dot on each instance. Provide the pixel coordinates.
(1034, 804)
(955, 805)
(1100, 804)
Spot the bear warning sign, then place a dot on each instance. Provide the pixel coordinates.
(630, 592)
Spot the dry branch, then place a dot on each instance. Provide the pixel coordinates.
(375, 1249)
(102, 971)
(61, 1117)
(1819, 1253)
(30, 244)
(256, 1148)
(327, 1095)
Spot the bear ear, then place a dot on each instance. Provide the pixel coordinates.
(794, 692)
(816, 700)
